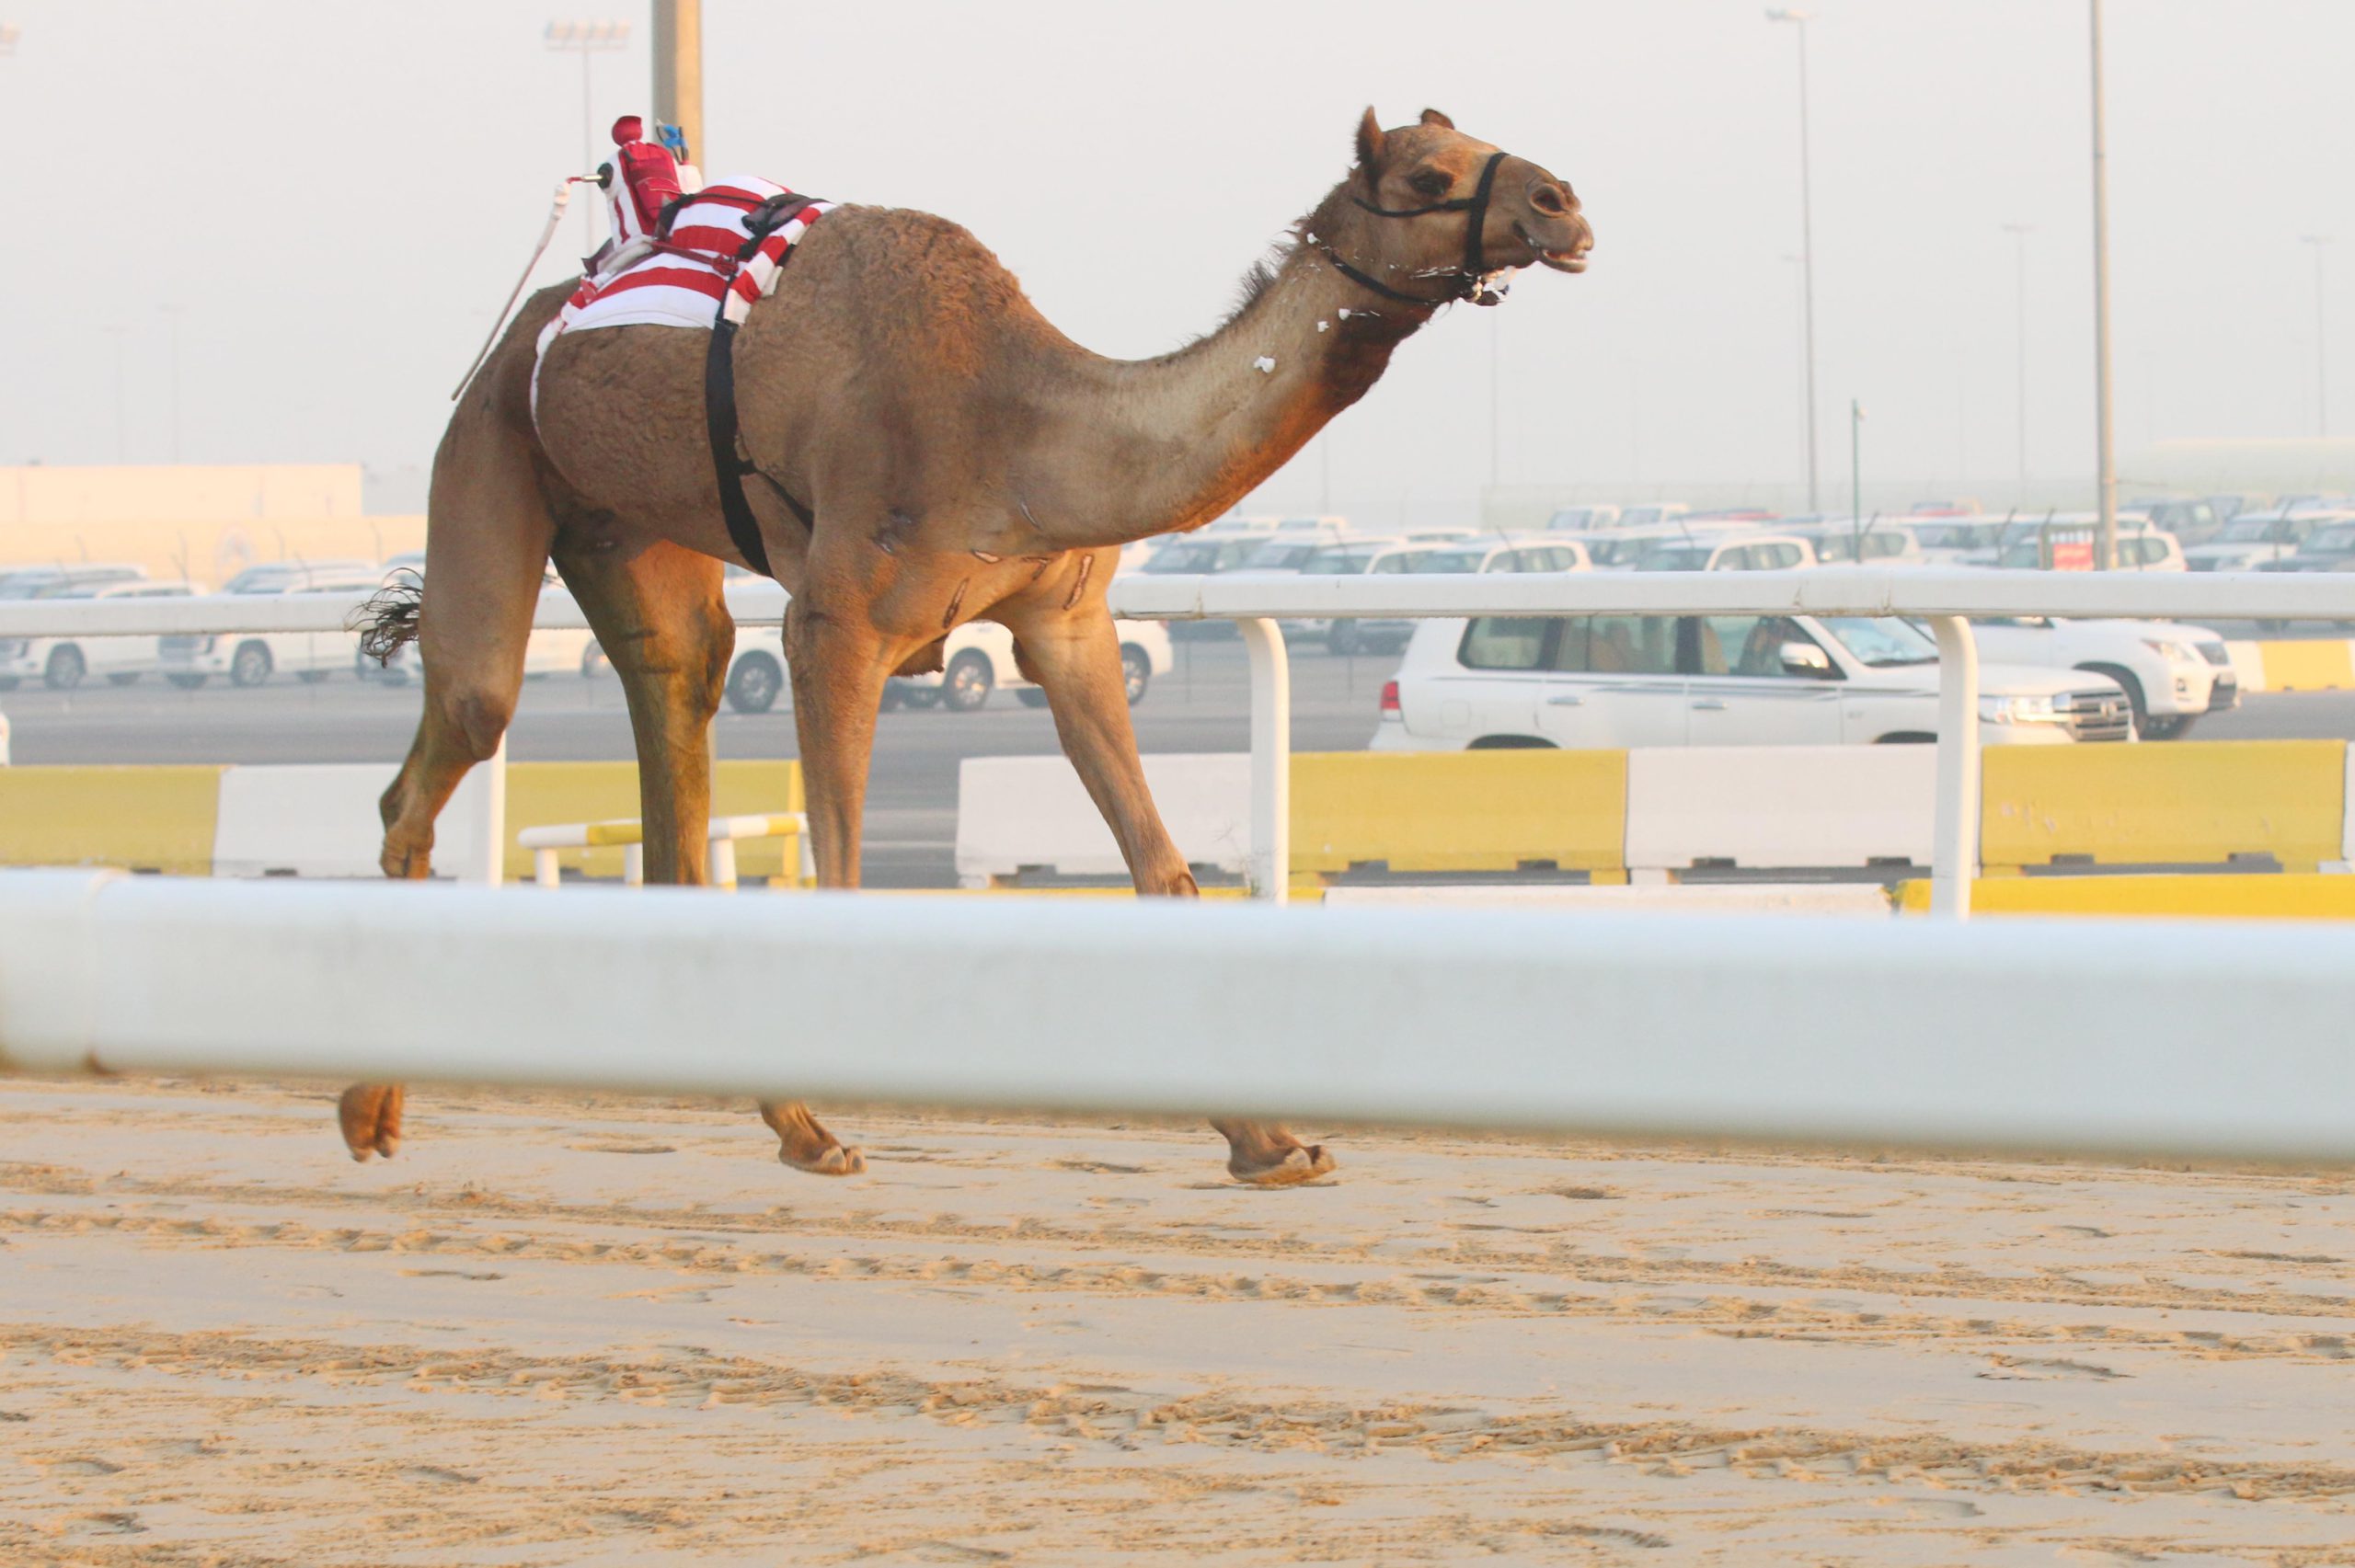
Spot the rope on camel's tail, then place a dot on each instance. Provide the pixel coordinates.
(556, 216)
(387, 619)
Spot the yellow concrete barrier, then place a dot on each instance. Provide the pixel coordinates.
(2190, 802)
(2321, 664)
(543, 794)
(2203, 896)
(140, 819)
(1459, 811)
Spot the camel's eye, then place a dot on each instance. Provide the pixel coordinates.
(1432, 183)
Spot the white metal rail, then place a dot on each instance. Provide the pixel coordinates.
(2160, 1038)
(1946, 598)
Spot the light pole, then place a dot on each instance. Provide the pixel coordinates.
(172, 337)
(2106, 545)
(2020, 233)
(2322, 355)
(1806, 238)
(588, 38)
(9, 33)
(1856, 475)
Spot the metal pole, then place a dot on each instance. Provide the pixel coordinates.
(1954, 843)
(678, 70)
(1496, 351)
(1807, 244)
(588, 154)
(172, 316)
(2020, 233)
(1856, 475)
(2106, 545)
(1270, 858)
(2322, 357)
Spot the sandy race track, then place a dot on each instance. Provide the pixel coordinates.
(562, 1330)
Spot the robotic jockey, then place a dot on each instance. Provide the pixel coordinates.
(643, 179)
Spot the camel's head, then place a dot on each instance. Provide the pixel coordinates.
(1428, 209)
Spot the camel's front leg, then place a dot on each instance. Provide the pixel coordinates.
(1075, 657)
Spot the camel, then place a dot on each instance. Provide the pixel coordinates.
(956, 457)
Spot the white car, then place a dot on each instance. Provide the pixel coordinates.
(1874, 543)
(1615, 549)
(2067, 544)
(1620, 681)
(1957, 540)
(249, 659)
(63, 662)
(1363, 557)
(2256, 537)
(549, 650)
(1578, 520)
(979, 660)
(2171, 673)
(1727, 552)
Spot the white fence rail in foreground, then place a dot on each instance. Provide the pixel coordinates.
(2169, 1039)
(1946, 598)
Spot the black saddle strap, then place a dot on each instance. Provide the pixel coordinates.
(728, 464)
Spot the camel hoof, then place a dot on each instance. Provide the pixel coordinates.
(1297, 1166)
(370, 1117)
(833, 1161)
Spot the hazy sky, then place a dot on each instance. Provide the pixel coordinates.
(334, 196)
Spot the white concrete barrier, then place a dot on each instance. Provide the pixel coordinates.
(2249, 664)
(1019, 813)
(1779, 808)
(320, 820)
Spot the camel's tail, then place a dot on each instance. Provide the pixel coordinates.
(387, 618)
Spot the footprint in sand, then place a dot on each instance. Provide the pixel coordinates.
(108, 1523)
(625, 1148)
(86, 1467)
(2032, 1368)
(436, 1473)
(1932, 1507)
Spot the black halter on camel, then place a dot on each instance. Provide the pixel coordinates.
(1464, 282)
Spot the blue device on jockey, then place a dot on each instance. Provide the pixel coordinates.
(675, 139)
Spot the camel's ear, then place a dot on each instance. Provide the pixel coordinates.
(1369, 145)
(1433, 117)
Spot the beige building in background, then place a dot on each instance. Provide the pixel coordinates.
(204, 524)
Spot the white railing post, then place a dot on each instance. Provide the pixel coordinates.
(491, 869)
(1954, 847)
(1271, 860)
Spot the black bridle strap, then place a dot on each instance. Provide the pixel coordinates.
(1474, 266)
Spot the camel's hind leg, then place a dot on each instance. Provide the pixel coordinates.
(1074, 655)
(487, 545)
(660, 616)
(664, 623)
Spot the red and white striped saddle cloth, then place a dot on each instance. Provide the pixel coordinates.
(688, 275)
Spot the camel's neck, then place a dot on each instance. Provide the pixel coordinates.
(1145, 447)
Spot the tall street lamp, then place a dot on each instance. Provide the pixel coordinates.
(1856, 475)
(588, 39)
(9, 33)
(2020, 233)
(1806, 238)
(2106, 456)
(2322, 355)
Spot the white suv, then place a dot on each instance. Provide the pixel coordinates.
(2171, 673)
(1619, 680)
(63, 662)
(249, 659)
(978, 659)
